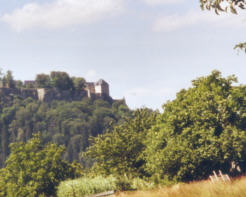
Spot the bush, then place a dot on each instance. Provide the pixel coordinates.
(86, 186)
(126, 184)
(33, 169)
(123, 184)
(140, 184)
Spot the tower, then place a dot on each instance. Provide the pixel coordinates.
(102, 88)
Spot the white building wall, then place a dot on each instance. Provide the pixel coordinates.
(98, 89)
(41, 94)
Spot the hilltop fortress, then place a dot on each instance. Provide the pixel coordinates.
(99, 89)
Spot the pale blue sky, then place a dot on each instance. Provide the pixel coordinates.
(146, 49)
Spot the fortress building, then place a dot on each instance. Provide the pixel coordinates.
(30, 83)
(100, 88)
(1, 83)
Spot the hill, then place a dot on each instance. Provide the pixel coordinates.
(67, 115)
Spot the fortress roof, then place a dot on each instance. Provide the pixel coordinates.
(101, 81)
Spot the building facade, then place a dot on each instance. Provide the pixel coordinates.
(99, 88)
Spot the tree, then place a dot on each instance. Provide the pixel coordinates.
(43, 81)
(202, 130)
(232, 5)
(120, 152)
(79, 83)
(8, 79)
(33, 169)
(59, 122)
(1, 73)
(19, 84)
(61, 80)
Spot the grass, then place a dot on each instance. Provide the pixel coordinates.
(237, 188)
(86, 186)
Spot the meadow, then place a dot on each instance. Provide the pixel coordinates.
(236, 188)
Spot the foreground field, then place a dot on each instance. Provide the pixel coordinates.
(197, 189)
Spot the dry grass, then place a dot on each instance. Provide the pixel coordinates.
(196, 189)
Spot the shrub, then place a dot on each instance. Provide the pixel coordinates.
(124, 183)
(86, 186)
(138, 184)
(33, 169)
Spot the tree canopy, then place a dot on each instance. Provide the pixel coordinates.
(61, 80)
(78, 83)
(43, 81)
(120, 151)
(33, 169)
(202, 130)
(64, 123)
(8, 79)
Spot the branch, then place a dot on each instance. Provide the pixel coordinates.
(217, 6)
(241, 46)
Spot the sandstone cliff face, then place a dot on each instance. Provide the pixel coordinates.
(44, 95)
(8, 93)
(25, 93)
(47, 95)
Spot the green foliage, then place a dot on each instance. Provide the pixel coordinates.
(8, 80)
(19, 84)
(33, 169)
(61, 80)
(120, 152)
(64, 123)
(202, 130)
(125, 183)
(78, 83)
(86, 186)
(43, 81)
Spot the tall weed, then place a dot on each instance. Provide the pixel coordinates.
(196, 189)
(86, 186)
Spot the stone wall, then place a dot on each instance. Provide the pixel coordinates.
(25, 93)
(1, 84)
(7, 95)
(41, 94)
(48, 95)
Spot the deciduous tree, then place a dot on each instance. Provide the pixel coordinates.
(202, 130)
(33, 169)
(121, 151)
(43, 81)
(61, 80)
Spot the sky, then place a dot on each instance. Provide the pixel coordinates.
(147, 50)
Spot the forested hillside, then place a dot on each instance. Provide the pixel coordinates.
(68, 123)
(201, 130)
